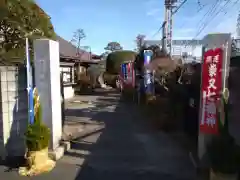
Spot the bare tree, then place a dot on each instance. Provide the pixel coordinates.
(140, 41)
(78, 35)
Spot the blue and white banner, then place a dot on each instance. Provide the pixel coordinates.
(29, 86)
(147, 56)
(148, 75)
(124, 71)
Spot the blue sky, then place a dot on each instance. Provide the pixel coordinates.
(110, 20)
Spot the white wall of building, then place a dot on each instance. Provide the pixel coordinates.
(191, 51)
(193, 48)
(68, 92)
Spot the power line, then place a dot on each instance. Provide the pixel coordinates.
(174, 12)
(212, 9)
(215, 15)
(209, 11)
(157, 31)
(199, 10)
(233, 5)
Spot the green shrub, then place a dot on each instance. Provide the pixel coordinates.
(37, 136)
(115, 59)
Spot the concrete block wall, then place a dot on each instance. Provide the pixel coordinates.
(13, 110)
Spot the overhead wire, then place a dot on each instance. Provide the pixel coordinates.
(233, 5)
(198, 11)
(208, 13)
(207, 21)
(173, 13)
(157, 31)
(210, 20)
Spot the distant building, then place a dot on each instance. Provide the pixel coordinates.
(190, 50)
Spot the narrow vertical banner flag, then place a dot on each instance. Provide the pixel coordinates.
(147, 56)
(29, 86)
(148, 82)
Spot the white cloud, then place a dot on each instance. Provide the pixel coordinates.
(154, 9)
(153, 12)
(150, 3)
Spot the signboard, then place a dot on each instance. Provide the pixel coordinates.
(211, 90)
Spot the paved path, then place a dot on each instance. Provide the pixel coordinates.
(126, 149)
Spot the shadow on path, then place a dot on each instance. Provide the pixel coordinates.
(128, 148)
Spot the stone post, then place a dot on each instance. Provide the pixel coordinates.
(212, 41)
(47, 79)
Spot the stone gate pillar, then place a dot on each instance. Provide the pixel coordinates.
(212, 41)
(47, 80)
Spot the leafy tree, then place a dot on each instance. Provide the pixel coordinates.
(113, 46)
(20, 19)
(115, 59)
(140, 41)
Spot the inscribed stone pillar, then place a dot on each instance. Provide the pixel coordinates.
(212, 41)
(47, 79)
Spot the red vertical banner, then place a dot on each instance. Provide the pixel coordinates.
(211, 90)
(129, 81)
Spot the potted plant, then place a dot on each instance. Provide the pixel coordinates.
(37, 141)
(222, 151)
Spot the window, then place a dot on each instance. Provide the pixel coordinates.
(67, 74)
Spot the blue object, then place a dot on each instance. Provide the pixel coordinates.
(148, 75)
(29, 86)
(149, 83)
(147, 56)
(124, 70)
(31, 106)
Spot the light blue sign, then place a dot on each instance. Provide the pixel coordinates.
(147, 56)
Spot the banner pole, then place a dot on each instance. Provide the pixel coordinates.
(29, 86)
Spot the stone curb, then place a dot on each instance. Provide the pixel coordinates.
(65, 144)
(58, 153)
(83, 133)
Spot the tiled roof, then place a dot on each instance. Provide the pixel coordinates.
(68, 50)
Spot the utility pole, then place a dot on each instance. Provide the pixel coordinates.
(168, 23)
(238, 27)
(167, 30)
(164, 36)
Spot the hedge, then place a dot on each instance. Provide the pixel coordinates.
(115, 59)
